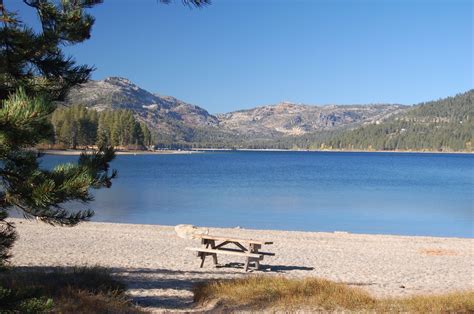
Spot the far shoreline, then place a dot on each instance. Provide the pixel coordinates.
(77, 152)
(328, 151)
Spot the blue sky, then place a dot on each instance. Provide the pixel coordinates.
(237, 54)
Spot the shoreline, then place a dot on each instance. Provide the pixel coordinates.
(288, 230)
(153, 263)
(335, 232)
(77, 152)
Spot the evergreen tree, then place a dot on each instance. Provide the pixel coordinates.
(102, 138)
(34, 73)
(77, 125)
(147, 138)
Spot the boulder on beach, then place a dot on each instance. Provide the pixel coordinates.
(189, 231)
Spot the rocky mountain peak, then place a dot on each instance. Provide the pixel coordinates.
(118, 80)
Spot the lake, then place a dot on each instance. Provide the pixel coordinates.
(388, 193)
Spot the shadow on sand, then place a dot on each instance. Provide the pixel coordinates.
(170, 289)
(267, 268)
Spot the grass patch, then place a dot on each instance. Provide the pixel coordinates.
(77, 290)
(457, 302)
(268, 292)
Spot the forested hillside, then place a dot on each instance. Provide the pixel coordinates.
(442, 125)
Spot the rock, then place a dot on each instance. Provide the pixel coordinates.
(189, 231)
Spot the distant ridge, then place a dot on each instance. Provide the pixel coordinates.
(438, 125)
(297, 119)
(175, 120)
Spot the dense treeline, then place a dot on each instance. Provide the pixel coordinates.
(402, 135)
(77, 126)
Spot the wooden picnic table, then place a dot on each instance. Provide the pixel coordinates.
(248, 248)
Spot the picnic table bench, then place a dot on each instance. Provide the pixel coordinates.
(214, 245)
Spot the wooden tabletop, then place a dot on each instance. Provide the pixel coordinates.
(222, 238)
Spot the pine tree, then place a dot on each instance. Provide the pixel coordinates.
(102, 138)
(34, 73)
(147, 138)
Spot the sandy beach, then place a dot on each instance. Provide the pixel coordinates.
(160, 273)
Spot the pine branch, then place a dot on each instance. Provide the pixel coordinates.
(7, 237)
(58, 216)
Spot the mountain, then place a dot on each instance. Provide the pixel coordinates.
(170, 118)
(297, 119)
(176, 121)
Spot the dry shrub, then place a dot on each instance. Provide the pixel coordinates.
(458, 302)
(263, 291)
(83, 301)
(270, 292)
(63, 290)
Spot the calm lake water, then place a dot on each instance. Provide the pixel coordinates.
(389, 193)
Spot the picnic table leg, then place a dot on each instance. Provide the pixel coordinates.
(213, 246)
(254, 249)
(247, 261)
(202, 254)
(203, 258)
(257, 264)
(207, 243)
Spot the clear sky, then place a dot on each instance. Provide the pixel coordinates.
(237, 54)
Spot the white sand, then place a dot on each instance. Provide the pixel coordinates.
(160, 272)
